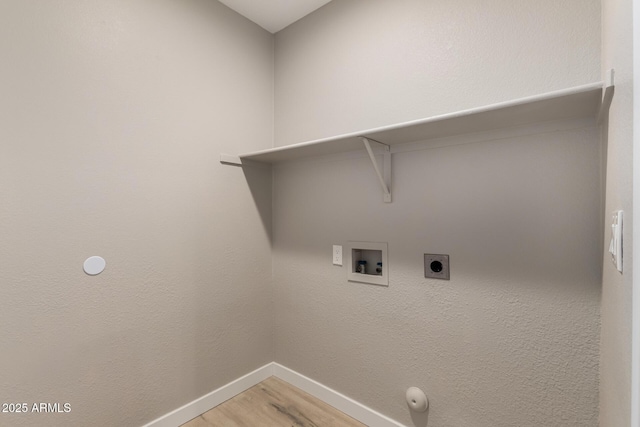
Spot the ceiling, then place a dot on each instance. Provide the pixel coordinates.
(274, 15)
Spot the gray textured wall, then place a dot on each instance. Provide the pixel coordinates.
(513, 338)
(113, 115)
(112, 118)
(355, 64)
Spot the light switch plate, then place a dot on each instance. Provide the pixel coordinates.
(337, 254)
(615, 247)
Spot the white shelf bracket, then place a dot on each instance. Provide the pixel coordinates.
(607, 96)
(385, 176)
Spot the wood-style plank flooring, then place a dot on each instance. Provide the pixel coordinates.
(273, 403)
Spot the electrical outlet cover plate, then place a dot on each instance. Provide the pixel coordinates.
(436, 266)
(337, 254)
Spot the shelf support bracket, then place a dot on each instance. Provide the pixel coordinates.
(607, 96)
(385, 176)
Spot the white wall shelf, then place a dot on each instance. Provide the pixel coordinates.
(591, 100)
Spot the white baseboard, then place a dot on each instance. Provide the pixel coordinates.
(354, 409)
(338, 400)
(209, 400)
